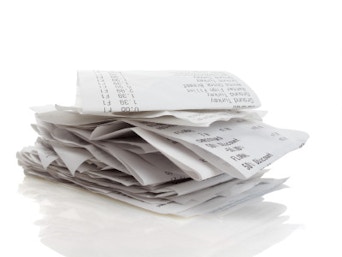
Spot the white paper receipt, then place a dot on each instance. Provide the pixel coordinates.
(136, 91)
(240, 148)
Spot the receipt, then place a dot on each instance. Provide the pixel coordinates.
(136, 91)
(242, 147)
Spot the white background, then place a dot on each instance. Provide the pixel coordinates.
(289, 52)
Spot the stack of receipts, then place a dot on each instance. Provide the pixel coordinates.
(172, 142)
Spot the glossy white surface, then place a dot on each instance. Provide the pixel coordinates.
(289, 53)
(77, 223)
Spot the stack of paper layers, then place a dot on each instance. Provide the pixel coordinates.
(172, 142)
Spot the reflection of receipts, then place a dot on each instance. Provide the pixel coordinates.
(133, 91)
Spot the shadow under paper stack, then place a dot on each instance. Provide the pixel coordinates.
(172, 142)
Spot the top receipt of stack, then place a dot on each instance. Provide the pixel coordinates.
(141, 91)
